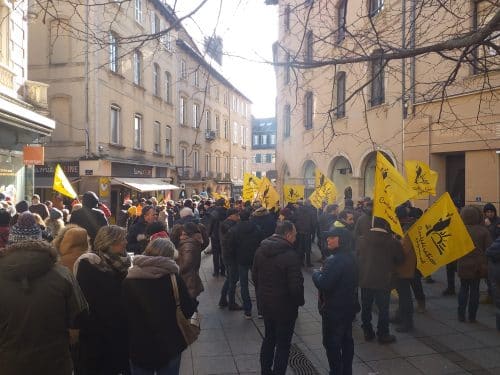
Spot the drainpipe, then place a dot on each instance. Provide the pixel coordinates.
(404, 111)
(86, 94)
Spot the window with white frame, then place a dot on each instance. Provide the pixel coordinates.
(168, 40)
(309, 47)
(183, 69)
(286, 17)
(309, 105)
(217, 125)
(226, 164)
(196, 115)
(243, 135)
(114, 125)
(138, 131)
(263, 139)
(156, 79)
(184, 156)
(168, 140)
(287, 120)
(208, 120)
(255, 140)
(183, 110)
(168, 87)
(273, 139)
(341, 20)
(226, 129)
(207, 164)
(226, 98)
(196, 161)
(137, 67)
(377, 87)
(341, 94)
(217, 164)
(197, 78)
(157, 137)
(235, 167)
(138, 10)
(242, 167)
(235, 133)
(155, 23)
(113, 53)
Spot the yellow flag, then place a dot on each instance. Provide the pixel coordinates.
(267, 194)
(61, 183)
(293, 193)
(325, 191)
(439, 236)
(251, 186)
(390, 191)
(421, 178)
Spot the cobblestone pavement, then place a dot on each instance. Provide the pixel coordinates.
(230, 344)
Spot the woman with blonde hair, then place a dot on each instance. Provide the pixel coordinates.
(72, 241)
(103, 336)
(155, 340)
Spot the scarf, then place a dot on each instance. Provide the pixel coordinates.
(105, 262)
(152, 267)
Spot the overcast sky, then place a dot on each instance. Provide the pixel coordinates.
(248, 29)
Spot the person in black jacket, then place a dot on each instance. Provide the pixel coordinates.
(216, 215)
(229, 259)
(137, 239)
(245, 238)
(279, 286)
(325, 222)
(305, 224)
(493, 255)
(89, 216)
(337, 283)
(265, 220)
(103, 336)
(155, 340)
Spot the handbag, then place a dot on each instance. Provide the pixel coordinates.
(190, 328)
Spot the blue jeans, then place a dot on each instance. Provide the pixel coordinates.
(245, 294)
(339, 345)
(468, 295)
(172, 368)
(229, 287)
(381, 298)
(275, 348)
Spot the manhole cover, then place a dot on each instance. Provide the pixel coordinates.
(300, 364)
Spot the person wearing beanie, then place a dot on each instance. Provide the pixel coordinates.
(89, 216)
(41, 303)
(155, 341)
(19, 208)
(71, 242)
(54, 223)
(25, 229)
(38, 207)
(337, 283)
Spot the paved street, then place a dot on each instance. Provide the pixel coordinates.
(440, 345)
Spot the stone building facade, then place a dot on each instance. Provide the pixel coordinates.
(264, 147)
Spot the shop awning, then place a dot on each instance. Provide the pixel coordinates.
(144, 184)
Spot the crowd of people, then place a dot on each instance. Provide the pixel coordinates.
(81, 296)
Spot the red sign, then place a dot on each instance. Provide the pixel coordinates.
(33, 155)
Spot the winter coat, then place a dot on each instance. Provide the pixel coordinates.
(325, 221)
(39, 303)
(378, 255)
(277, 278)
(133, 244)
(40, 209)
(493, 255)
(245, 239)
(406, 270)
(227, 250)
(363, 226)
(91, 219)
(494, 226)
(337, 282)
(103, 335)
(54, 226)
(265, 221)
(473, 265)
(154, 336)
(216, 215)
(304, 219)
(71, 243)
(189, 260)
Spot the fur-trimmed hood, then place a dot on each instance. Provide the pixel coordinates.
(27, 260)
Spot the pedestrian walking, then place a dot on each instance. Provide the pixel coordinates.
(216, 215)
(89, 216)
(337, 283)
(279, 286)
(155, 340)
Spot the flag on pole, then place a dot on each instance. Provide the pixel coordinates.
(439, 236)
(293, 193)
(325, 191)
(61, 183)
(390, 191)
(267, 194)
(421, 178)
(251, 186)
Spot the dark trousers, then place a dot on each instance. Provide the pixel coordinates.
(304, 242)
(276, 346)
(468, 297)
(416, 285)
(405, 301)
(217, 258)
(339, 345)
(229, 287)
(495, 288)
(245, 293)
(451, 269)
(381, 299)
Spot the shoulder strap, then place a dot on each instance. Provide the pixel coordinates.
(175, 289)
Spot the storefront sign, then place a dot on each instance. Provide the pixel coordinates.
(70, 169)
(33, 155)
(130, 170)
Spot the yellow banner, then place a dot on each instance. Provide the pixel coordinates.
(421, 178)
(104, 187)
(267, 194)
(293, 193)
(218, 196)
(439, 236)
(390, 191)
(61, 183)
(251, 186)
(325, 191)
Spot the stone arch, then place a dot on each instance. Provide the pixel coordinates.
(367, 171)
(309, 168)
(340, 172)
